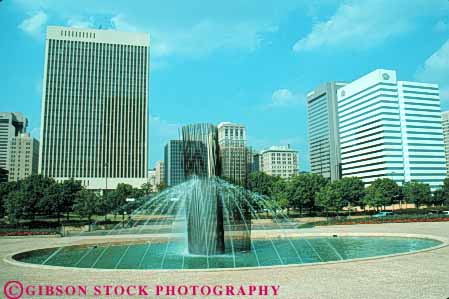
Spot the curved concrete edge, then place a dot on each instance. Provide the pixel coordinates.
(32, 236)
(266, 235)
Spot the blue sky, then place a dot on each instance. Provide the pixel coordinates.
(249, 62)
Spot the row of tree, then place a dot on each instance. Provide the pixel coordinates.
(43, 196)
(312, 192)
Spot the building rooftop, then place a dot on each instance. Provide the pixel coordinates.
(98, 36)
(285, 148)
(227, 123)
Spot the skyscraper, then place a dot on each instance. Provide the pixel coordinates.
(324, 147)
(391, 128)
(11, 124)
(95, 107)
(201, 150)
(235, 158)
(24, 157)
(445, 124)
(174, 162)
(160, 171)
(152, 179)
(3, 175)
(255, 161)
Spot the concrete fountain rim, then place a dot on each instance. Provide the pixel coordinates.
(274, 234)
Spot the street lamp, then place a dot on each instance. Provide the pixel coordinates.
(128, 200)
(402, 186)
(106, 175)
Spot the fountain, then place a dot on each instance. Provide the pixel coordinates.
(206, 206)
(207, 222)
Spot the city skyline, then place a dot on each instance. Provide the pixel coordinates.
(267, 64)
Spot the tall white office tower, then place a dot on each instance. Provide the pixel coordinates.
(391, 128)
(445, 124)
(95, 107)
(322, 123)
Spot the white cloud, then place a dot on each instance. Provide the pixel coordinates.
(121, 23)
(284, 97)
(436, 70)
(160, 49)
(441, 26)
(207, 36)
(362, 24)
(194, 29)
(34, 24)
(80, 22)
(436, 67)
(200, 38)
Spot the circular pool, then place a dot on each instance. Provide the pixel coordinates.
(265, 252)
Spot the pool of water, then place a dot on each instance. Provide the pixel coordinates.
(270, 252)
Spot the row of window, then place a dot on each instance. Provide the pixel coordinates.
(72, 33)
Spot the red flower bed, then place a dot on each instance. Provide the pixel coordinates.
(405, 220)
(26, 233)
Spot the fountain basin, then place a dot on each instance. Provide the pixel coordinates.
(171, 253)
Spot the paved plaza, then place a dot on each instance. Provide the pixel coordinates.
(419, 275)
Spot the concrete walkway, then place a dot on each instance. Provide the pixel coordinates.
(420, 275)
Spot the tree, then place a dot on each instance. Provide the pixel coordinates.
(34, 188)
(303, 188)
(86, 204)
(104, 205)
(351, 189)
(445, 192)
(161, 187)
(261, 183)
(138, 193)
(417, 193)
(381, 193)
(373, 197)
(16, 202)
(138, 200)
(52, 202)
(147, 188)
(283, 203)
(280, 195)
(438, 197)
(118, 197)
(70, 191)
(5, 189)
(267, 188)
(331, 197)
